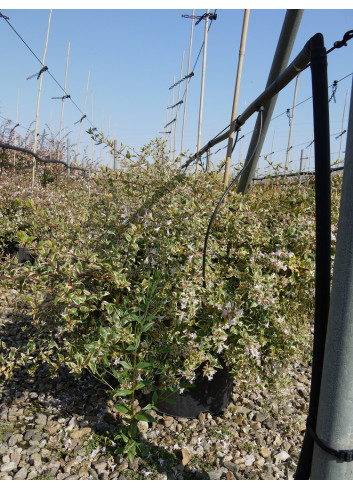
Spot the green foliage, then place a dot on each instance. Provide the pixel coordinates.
(117, 283)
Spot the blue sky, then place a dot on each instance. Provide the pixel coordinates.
(133, 56)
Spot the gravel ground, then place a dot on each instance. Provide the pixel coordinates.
(63, 428)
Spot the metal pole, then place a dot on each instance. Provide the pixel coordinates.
(202, 89)
(177, 109)
(115, 144)
(84, 112)
(236, 96)
(344, 113)
(38, 102)
(334, 420)
(284, 48)
(298, 64)
(187, 87)
(63, 99)
(68, 159)
(323, 240)
(291, 126)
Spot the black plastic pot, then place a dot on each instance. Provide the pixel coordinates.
(206, 396)
(23, 255)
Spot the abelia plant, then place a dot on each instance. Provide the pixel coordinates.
(117, 286)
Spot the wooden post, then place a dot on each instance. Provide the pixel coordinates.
(202, 90)
(236, 96)
(38, 102)
(84, 112)
(187, 86)
(63, 99)
(291, 126)
(344, 113)
(114, 155)
(177, 109)
(68, 159)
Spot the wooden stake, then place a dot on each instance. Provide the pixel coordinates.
(187, 87)
(166, 128)
(301, 164)
(177, 109)
(107, 152)
(114, 155)
(291, 126)
(101, 148)
(14, 153)
(202, 90)
(311, 147)
(84, 112)
(93, 152)
(63, 99)
(68, 160)
(344, 113)
(171, 126)
(236, 97)
(38, 102)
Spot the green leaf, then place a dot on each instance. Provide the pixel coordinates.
(122, 392)
(147, 327)
(122, 409)
(126, 365)
(143, 364)
(144, 417)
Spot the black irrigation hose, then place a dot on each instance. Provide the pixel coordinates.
(323, 242)
(222, 198)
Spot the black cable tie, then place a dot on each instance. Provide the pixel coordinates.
(211, 16)
(343, 455)
(340, 134)
(170, 123)
(185, 78)
(12, 130)
(178, 103)
(288, 115)
(4, 16)
(80, 119)
(310, 144)
(334, 89)
(348, 35)
(62, 98)
(45, 68)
